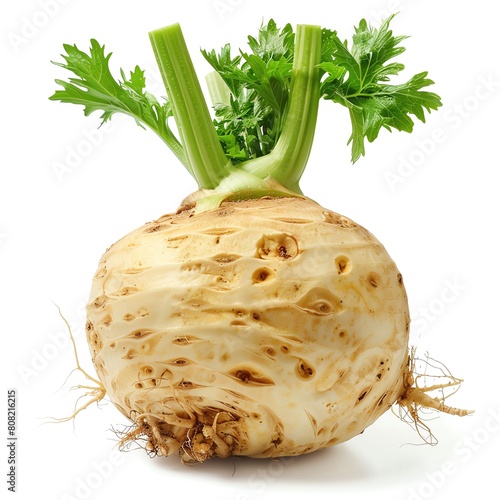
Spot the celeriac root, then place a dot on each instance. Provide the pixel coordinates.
(197, 436)
(417, 395)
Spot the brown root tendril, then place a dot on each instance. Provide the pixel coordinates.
(428, 383)
(94, 390)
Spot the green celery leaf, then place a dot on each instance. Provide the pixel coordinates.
(259, 83)
(273, 43)
(94, 87)
(357, 77)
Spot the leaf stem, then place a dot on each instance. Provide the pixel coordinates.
(288, 159)
(206, 160)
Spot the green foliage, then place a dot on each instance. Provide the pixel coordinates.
(357, 77)
(258, 84)
(251, 122)
(96, 89)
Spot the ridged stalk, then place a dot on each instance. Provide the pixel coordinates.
(206, 160)
(288, 159)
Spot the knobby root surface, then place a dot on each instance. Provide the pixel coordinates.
(428, 384)
(194, 445)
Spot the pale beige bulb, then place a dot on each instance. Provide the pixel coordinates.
(262, 328)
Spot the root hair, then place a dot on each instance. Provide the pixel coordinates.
(428, 383)
(195, 444)
(94, 388)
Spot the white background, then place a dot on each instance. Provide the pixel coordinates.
(431, 197)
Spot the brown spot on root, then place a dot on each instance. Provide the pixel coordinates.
(176, 241)
(99, 302)
(187, 385)
(106, 321)
(321, 302)
(137, 334)
(262, 274)
(270, 352)
(141, 313)
(343, 264)
(238, 322)
(130, 354)
(277, 246)
(248, 376)
(304, 370)
(363, 394)
(225, 258)
(381, 400)
(373, 279)
(155, 228)
(94, 339)
(95, 342)
(339, 220)
(180, 362)
(185, 340)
